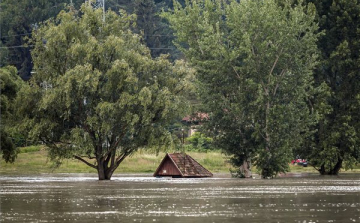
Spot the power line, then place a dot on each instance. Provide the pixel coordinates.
(162, 48)
(23, 34)
(23, 46)
(20, 46)
(160, 35)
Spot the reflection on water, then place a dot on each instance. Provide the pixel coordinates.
(78, 198)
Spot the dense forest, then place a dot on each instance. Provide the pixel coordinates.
(278, 79)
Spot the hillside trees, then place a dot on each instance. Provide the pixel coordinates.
(254, 62)
(156, 32)
(97, 95)
(336, 141)
(17, 21)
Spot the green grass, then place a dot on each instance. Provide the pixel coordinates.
(310, 169)
(30, 149)
(301, 169)
(34, 160)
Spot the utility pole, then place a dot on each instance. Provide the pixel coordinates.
(183, 149)
(97, 4)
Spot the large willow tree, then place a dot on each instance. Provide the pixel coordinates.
(97, 95)
(254, 61)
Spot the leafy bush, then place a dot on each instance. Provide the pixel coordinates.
(199, 142)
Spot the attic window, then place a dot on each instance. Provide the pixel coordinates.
(164, 171)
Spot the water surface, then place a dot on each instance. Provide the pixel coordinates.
(126, 198)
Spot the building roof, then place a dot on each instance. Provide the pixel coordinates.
(185, 164)
(197, 117)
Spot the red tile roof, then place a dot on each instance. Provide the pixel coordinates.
(198, 117)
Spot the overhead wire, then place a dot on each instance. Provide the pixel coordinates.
(23, 34)
(26, 46)
(23, 46)
(20, 46)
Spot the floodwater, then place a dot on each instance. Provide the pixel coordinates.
(127, 198)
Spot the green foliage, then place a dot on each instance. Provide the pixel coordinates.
(4, 53)
(336, 139)
(10, 84)
(199, 142)
(97, 93)
(254, 62)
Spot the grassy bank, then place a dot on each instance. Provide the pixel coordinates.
(33, 160)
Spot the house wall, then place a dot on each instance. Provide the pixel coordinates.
(192, 130)
(168, 168)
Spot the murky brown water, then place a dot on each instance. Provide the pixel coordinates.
(81, 198)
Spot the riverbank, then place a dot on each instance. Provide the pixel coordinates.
(34, 160)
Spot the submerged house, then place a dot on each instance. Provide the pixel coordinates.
(178, 165)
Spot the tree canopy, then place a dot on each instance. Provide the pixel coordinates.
(10, 84)
(254, 61)
(104, 89)
(97, 94)
(336, 139)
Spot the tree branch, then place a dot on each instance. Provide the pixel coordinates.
(274, 65)
(202, 52)
(84, 161)
(107, 159)
(121, 158)
(265, 89)
(277, 84)
(89, 157)
(116, 144)
(315, 168)
(237, 74)
(112, 158)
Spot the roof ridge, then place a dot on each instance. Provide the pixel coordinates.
(191, 163)
(176, 165)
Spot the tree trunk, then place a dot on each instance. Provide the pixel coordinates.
(322, 170)
(267, 135)
(333, 170)
(265, 172)
(245, 168)
(103, 171)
